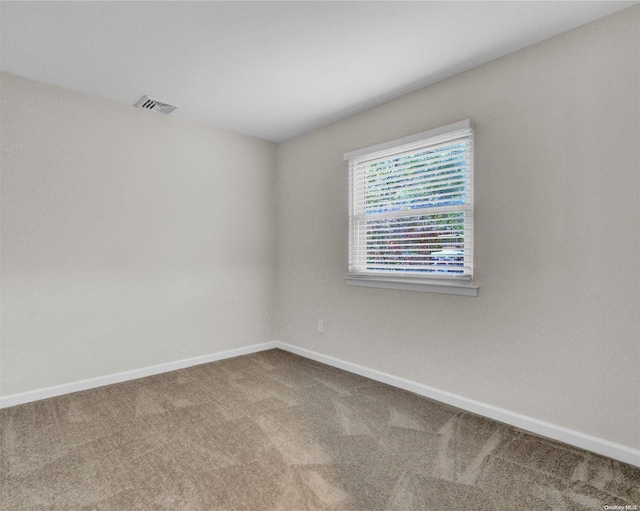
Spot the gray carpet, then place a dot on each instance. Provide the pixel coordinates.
(273, 431)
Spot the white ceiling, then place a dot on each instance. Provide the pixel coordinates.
(272, 70)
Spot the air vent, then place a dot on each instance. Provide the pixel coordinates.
(146, 103)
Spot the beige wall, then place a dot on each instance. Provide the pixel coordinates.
(555, 331)
(128, 239)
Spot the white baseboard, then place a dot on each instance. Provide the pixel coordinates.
(577, 439)
(100, 381)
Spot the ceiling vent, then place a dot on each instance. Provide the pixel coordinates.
(146, 103)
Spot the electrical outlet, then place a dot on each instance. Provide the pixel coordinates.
(320, 326)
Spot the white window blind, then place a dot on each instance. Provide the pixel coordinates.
(411, 206)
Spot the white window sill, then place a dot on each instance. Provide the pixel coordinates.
(449, 287)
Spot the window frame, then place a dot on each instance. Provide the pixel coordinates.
(431, 282)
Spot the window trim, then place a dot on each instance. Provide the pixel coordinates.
(450, 284)
(424, 285)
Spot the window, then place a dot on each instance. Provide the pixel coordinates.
(411, 212)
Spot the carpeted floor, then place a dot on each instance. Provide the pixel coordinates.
(273, 431)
